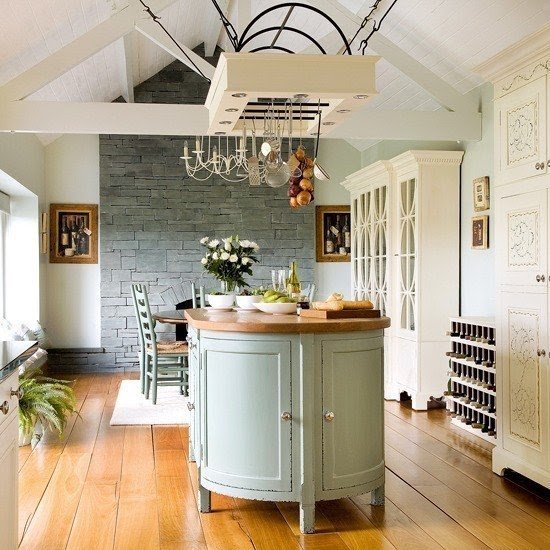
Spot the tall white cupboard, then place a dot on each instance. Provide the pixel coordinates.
(521, 78)
(405, 258)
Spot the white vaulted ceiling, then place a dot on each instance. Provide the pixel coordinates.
(450, 37)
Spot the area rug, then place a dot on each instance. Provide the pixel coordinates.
(131, 407)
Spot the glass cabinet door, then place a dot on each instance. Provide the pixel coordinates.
(370, 247)
(407, 254)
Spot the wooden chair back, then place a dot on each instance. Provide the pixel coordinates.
(145, 319)
(197, 297)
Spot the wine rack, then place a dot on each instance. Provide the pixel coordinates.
(471, 392)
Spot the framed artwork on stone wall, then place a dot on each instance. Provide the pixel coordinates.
(333, 233)
(73, 233)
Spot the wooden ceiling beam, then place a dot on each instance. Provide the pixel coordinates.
(128, 67)
(153, 32)
(189, 120)
(441, 91)
(80, 49)
(213, 29)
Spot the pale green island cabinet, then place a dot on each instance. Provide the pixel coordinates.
(285, 408)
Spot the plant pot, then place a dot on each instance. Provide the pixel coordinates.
(221, 301)
(32, 438)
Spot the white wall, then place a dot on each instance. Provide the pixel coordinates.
(22, 177)
(477, 271)
(340, 159)
(73, 291)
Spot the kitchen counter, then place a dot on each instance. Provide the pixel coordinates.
(285, 408)
(258, 322)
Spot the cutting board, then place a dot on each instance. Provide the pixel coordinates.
(342, 314)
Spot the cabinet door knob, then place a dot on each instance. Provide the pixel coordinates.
(329, 416)
(541, 352)
(5, 407)
(540, 278)
(286, 416)
(190, 406)
(17, 393)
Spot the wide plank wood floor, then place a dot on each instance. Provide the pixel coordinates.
(102, 487)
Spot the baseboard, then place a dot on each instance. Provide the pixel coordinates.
(86, 360)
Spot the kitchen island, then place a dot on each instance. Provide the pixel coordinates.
(286, 408)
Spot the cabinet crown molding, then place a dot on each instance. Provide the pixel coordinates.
(427, 157)
(373, 173)
(517, 56)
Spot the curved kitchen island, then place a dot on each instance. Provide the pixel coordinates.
(285, 408)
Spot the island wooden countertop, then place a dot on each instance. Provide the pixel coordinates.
(233, 321)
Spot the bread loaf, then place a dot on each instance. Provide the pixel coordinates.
(328, 306)
(357, 304)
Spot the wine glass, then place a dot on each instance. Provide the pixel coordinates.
(282, 280)
(275, 279)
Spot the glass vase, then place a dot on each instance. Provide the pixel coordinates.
(229, 287)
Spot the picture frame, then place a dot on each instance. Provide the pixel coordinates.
(74, 233)
(480, 232)
(481, 194)
(333, 233)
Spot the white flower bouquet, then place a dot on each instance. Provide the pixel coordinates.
(229, 260)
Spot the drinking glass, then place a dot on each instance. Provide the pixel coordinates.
(275, 279)
(282, 280)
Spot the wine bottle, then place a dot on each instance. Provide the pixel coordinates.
(329, 243)
(293, 285)
(83, 241)
(347, 236)
(74, 233)
(65, 235)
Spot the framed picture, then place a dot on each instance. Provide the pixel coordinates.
(481, 194)
(333, 233)
(480, 232)
(73, 233)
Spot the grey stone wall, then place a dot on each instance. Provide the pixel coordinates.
(153, 215)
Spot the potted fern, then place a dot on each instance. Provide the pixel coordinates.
(46, 403)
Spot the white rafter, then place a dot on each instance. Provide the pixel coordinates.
(213, 29)
(153, 32)
(440, 90)
(128, 65)
(80, 49)
(165, 119)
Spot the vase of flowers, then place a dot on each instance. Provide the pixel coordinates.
(228, 260)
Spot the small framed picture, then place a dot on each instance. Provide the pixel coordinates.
(73, 233)
(480, 232)
(481, 194)
(333, 233)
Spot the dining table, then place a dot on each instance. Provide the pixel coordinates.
(174, 317)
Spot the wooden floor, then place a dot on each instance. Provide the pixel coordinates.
(132, 487)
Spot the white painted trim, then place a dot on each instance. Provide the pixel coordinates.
(516, 56)
(77, 51)
(153, 32)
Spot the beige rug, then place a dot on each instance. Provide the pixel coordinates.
(131, 407)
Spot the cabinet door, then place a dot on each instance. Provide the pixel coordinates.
(194, 394)
(8, 484)
(352, 391)
(523, 413)
(523, 225)
(245, 389)
(406, 255)
(522, 137)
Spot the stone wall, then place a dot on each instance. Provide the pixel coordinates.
(153, 215)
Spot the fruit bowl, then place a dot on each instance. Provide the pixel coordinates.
(277, 308)
(247, 302)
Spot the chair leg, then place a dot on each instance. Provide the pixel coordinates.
(146, 374)
(142, 369)
(181, 377)
(154, 379)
